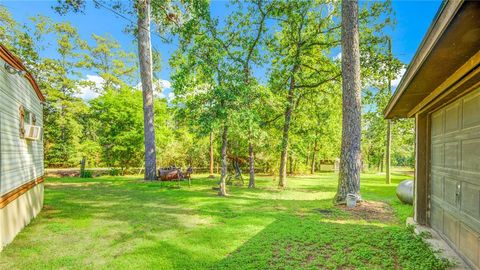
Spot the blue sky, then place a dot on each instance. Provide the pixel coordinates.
(413, 19)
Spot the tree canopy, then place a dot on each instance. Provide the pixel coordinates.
(266, 77)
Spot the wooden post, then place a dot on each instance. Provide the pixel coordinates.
(82, 167)
(422, 156)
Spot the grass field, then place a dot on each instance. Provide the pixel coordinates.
(125, 223)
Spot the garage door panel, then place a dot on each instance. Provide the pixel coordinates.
(452, 118)
(437, 185)
(436, 220)
(471, 105)
(455, 174)
(470, 221)
(470, 200)
(437, 123)
(452, 159)
(438, 155)
(471, 155)
(450, 191)
(466, 134)
(469, 243)
(450, 227)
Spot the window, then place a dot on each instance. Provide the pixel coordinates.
(28, 130)
(27, 119)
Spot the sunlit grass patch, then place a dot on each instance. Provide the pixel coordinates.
(127, 223)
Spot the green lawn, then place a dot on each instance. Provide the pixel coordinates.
(125, 223)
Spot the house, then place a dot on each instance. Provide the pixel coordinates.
(21, 147)
(441, 90)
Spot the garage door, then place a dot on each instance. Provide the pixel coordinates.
(455, 175)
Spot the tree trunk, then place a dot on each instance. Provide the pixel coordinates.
(145, 58)
(251, 182)
(389, 122)
(389, 140)
(211, 156)
(312, 169)
(350, 156)
(290, 171)
(282, 182)
(251, 159)
(382, 160)
(223, 190)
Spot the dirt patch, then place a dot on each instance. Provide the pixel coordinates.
(326, 212)
(49, 211)
(73, 184)
(371, 211)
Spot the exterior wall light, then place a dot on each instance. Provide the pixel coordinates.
(13, 70)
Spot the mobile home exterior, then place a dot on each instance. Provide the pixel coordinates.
(21, 147)
(441, 90)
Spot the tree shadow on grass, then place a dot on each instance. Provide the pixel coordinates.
(316, 243)
(124, 222)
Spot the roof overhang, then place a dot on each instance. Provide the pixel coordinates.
(15, 62)
(449, 52)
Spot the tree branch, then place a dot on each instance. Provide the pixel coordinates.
(313, 85)
(314, 69)
(271, 120)
(259, 32)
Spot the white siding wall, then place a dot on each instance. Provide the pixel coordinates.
(20, 160)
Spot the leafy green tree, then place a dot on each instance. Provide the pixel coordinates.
(206, 89)
(115, 66)
(350, 161)
(19, 39)
(164, 14)
(301, 65)
(317, 129)
(57, 77)
(217, 87)
(241, 39)
(369, 23)
(376, 98)
(120, 121)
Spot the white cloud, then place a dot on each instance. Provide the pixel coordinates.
(170, 96)
(161, 88)
(163, 84)
(87, 92)
(338, 56)
(398, 78)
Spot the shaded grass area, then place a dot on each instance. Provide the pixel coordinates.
(124, 222)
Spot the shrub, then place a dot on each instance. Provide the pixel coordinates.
(115, 172)
(86, 174)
